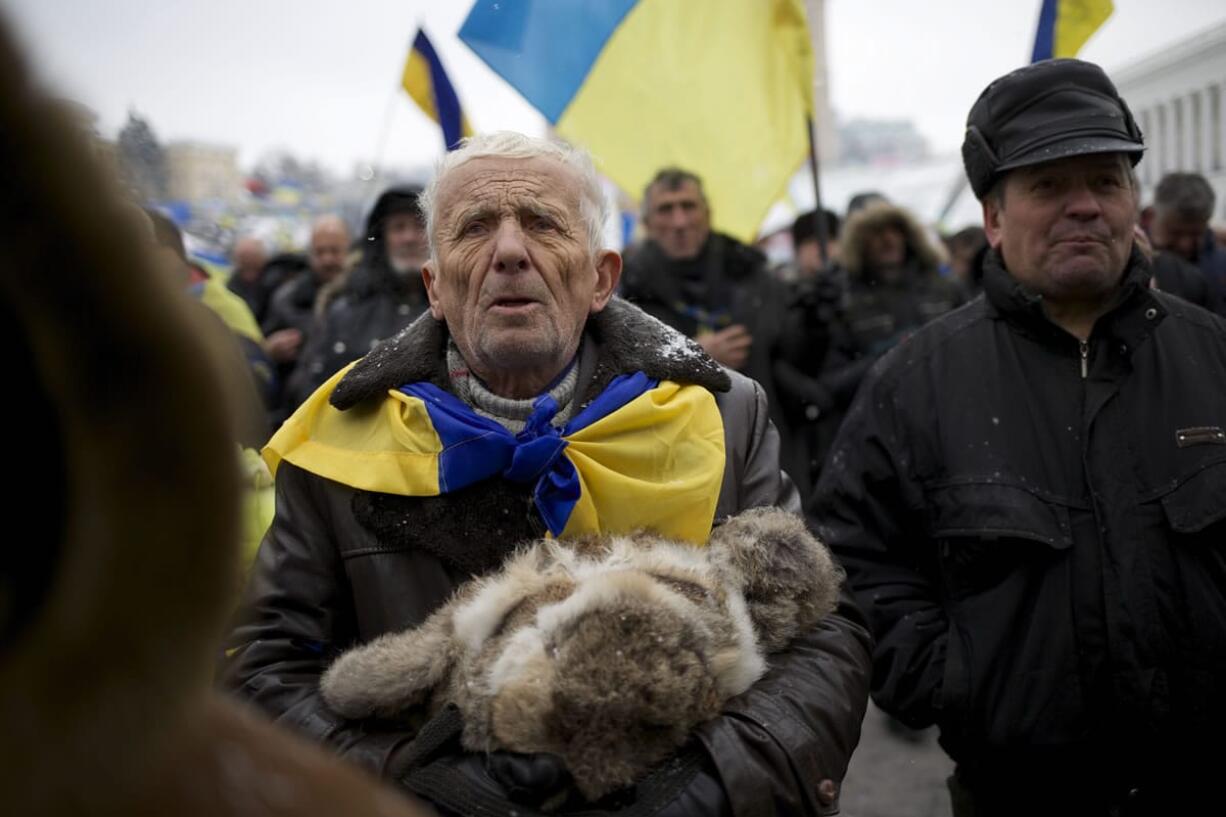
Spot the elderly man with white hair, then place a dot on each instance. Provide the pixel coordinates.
(528, 402)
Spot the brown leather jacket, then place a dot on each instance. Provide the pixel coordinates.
(340, 566)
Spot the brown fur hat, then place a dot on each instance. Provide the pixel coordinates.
(606, 652)
(853, 244)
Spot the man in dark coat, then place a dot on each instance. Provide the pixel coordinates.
(381, 297)
(818, 287)
(1172, 273)
(710, 287)
(1179, 223)
(1029, 494)
(291, 309)
(428, 461)
(894, 287)
(248, 259)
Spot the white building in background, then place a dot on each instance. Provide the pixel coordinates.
(197, 172)
(1177, 97)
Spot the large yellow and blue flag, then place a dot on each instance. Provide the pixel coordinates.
(426, 82)
(1065, 25)
(722, 88)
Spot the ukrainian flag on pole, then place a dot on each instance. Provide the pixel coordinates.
(1065, 25)
(426, 82)
(721, 88)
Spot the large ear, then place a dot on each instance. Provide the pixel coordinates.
(429, 279)
(608, 274)
(393, 673)
(788, 577)
(992, 214)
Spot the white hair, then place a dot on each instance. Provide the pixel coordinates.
(593, 207)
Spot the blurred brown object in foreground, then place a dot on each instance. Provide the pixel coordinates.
(123, 518)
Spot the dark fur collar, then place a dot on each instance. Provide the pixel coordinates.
(626, 339)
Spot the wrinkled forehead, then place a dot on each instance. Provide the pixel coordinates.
(509, 184)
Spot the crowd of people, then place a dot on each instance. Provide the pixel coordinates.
(807, 330)
(1012, 439)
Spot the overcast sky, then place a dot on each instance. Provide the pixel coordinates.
(320, 77)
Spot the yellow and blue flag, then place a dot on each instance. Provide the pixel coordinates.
(722, 88)
(426, 82)
(1065, 25)
(643, 454)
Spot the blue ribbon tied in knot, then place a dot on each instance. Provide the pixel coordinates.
(476, 448)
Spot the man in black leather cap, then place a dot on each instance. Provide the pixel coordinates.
(1029, 494)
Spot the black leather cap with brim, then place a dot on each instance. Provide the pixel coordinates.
(1049, 110)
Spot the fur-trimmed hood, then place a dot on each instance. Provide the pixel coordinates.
(624, 338)
(373, 274)
(853, 245)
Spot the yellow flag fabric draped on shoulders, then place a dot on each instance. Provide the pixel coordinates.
(644, 454)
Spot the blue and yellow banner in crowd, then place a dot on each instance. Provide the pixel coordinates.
(427, 83)
(1065, 25)
(721, 88)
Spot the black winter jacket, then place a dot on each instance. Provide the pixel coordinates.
(340, 567)
(1037, 531)
(374, 305)
(728, 284)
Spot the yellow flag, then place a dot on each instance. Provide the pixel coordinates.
(723, 92)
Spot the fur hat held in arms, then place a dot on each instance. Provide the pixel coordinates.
(605, 652)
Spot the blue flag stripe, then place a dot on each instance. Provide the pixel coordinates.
(446, 103)
(476, 448)
(1045, 37)
(563, 37)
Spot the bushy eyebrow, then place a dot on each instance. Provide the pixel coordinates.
(476, 212)
(485, 212)
(537, 209)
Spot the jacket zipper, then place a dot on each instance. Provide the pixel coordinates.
(1085, 358)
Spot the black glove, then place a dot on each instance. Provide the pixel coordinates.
(500, 784)
(537, 780)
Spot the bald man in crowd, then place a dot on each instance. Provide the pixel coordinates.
(248, 259)
(291, 308)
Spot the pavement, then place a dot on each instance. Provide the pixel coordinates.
(896, 772)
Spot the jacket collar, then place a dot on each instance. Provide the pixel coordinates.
(1131, 321)
(618, 340)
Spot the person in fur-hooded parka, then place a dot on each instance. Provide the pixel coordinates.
(894, 287)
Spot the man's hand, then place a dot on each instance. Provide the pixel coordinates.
(728, 346)
(283, 345)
